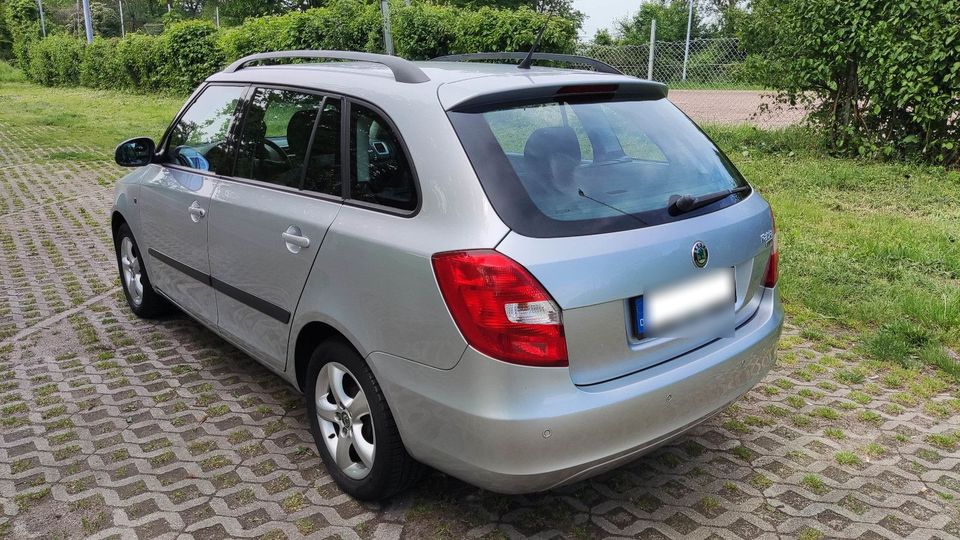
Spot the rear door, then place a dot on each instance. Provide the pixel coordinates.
(270, 217)
(175, 203)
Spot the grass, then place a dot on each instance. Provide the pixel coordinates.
(868, 248)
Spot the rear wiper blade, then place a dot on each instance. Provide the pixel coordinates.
(681, 204)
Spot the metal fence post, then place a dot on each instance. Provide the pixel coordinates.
(387, 37)
(653, 45)
(686, 48)
(43, 23)
(88, 21)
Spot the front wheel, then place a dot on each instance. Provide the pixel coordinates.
(142, 299)
(353, 426)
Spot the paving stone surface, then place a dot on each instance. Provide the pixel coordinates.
(115, 427)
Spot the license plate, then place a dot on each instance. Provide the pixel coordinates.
(703, 304)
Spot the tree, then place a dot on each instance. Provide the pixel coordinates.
(239, 10)
(726, 16)
(602, 37)
(563, 8)
(106, 20)
(881, 77)
(671, 16)
(6, 40)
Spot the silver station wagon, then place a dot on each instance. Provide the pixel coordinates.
(520, 276)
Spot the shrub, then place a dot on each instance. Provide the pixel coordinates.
(99, 67)
(22, 21)
(882, 77)
(255, 35)
(422, 31)
(189, 53)
(55, 61)
(138, 62)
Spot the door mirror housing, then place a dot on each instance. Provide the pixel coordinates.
(135, 152)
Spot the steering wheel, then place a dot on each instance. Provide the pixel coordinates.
(274, 150)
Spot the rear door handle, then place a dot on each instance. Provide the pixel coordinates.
(294, 239)
(196, 211)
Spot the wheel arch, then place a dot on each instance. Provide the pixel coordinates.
(116, 220)
(310, 336)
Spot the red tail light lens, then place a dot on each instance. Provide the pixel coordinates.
(501, 310)
(773, 270)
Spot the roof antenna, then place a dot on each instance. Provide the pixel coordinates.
(528, 60)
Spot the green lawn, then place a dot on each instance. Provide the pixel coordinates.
(869, 251)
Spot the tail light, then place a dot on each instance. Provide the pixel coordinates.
(773, 270)
(501, 310)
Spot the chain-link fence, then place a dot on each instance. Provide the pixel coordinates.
(711, 87)
(711, 63)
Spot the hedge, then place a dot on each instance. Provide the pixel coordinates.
(882, 78)
(187, 52)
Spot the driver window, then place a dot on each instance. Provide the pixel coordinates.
(199, 138)
(276, 135)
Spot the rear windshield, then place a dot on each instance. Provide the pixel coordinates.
(576, 167)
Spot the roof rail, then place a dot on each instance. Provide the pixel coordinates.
(597, 65)
(404, 71)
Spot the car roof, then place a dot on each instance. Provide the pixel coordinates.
(455, 82)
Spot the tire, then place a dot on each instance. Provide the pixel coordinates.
(145, 302)
(337, 421)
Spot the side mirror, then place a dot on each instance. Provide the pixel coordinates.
(135, 152)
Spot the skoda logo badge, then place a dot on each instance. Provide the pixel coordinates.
(700, 254)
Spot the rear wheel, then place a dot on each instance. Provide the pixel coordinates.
(142, 299)
(353, 426)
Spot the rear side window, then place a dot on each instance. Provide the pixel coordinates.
(380, 172)
(569, 168)
(276, 136)
(199, 139)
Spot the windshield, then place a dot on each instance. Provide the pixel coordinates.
(574, 167)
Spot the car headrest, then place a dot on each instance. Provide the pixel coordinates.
(298, 131)
(550, 142)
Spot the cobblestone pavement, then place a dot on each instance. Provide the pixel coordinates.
(735, 107)
(113, 426)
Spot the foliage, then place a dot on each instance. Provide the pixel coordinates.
(188, 51)
(865, 246)
(10, 74)
(671, 16)
(22, 20)
(106, 20)
(99, 67)
(139, 64)
(55, 61)
(883, 77)
(6, 40)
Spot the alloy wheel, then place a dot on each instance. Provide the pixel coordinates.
(345, 421)
(132, 271)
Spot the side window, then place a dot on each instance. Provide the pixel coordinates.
(275, 136)
(323, 166)
(199, 139)
(380, 173)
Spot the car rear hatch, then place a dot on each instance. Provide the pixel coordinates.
(595, 278)
(587, 173)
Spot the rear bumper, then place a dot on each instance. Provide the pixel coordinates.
(514, 429)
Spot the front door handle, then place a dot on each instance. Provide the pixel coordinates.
(196, 211)
(294, 239)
